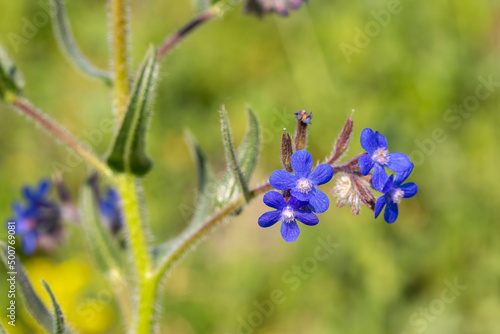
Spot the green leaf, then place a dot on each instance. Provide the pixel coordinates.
(11, 80)
(69, 47)
(247, 156)
(128, 152)
(231, 158)
(102, 246)
(59, 327)
(31, 301)
(2, 330)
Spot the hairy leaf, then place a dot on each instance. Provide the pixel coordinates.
(31, 301)
(129, 149)
(59, 326)
(68, 46)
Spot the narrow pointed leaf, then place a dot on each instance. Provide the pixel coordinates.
(129, 149)
(59, 326)
(102, 246)
(248, 154)
(31, 301)
(231, 157)
(11, 80)
(205, 181)
(69, 47)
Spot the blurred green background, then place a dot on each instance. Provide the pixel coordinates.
(380, 278)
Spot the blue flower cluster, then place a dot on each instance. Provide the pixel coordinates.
(39, 220)
(392, 188)
(301, 199)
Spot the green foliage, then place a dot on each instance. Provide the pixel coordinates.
(11, 80)
(33, 304)
(129, 149)
(103, 247)
(69, 47)
(59, 326)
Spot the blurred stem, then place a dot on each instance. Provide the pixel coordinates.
(119, 40)
(176, 38)
(204, 228)
(146, 286)
(23, 106)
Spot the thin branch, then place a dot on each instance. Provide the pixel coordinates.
(202, 229)
(60, 133)
(176, 38)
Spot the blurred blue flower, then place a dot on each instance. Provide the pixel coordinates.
(288, 212)
(110, 210)
(394, 191)
(303, 184)
(281, 7)
(38, 222)
(379, 157)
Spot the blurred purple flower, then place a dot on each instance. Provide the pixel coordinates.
(281, 7)
(288, 212)
(303, 183)
(379, 157)
(394, 191)
(111, 211)
(38, 222)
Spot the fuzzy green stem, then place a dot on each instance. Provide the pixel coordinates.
(23, 106)
(119, 40)
(203, 229)
(146, 285)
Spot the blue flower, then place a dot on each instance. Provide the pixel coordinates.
(303, 183)
(379, 157)
(110, 210)
(289, 212)
(394, 191)
(39, 219)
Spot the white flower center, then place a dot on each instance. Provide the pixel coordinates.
(397, 195)
(288, 215)
(304, 185)
(381, 156)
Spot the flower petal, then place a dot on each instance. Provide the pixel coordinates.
(302, 163)
(290, 231)
(369, 141)
(306, 217)
(391, 212)
(379, 205)
(282, 180)
(297, 204)
(318, 201)
(365, 163)
(270, 218)
(388, 184)
(29, 243)
(321, 174)
(43, 188)
(398, 162)
(410, 189)
(381, 141)
(379, 177)
(299, 196)
(274, 199)
(400, 177)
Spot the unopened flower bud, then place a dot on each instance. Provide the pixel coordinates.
(303, 119)
(286, 152)
(342, 144)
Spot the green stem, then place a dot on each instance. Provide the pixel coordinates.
(119, 40)
(60, 133)
(178, 36)
(146, 285)
(203, 229)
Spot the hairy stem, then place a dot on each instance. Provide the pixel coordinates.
(23, 106)
(176, 38)
(119, 40)
(146, 285)
(204, 228)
